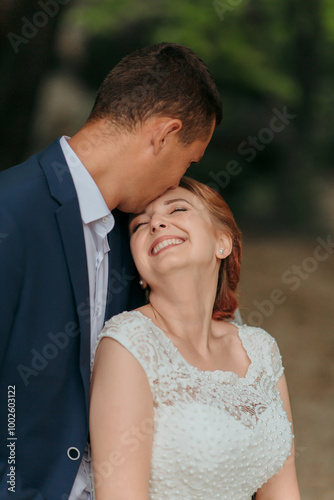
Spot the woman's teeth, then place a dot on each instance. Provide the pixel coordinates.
(165, 243)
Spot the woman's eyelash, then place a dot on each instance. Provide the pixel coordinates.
(136, 226)
(180, 209)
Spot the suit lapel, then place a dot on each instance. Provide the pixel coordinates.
(70, 227)
(75, 251)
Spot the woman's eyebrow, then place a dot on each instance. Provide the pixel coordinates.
(168, 202)
(134, 216)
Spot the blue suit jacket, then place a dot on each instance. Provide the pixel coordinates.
(45, 325)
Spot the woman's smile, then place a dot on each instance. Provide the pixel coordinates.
(163, 242)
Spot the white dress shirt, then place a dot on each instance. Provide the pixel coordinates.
(97, 221)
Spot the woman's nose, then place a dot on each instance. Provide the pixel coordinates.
(157, 223)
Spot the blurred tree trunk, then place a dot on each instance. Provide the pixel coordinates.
(27, 33)
(298, 162)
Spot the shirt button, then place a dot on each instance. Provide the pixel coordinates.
(105, 220)
(73, 453)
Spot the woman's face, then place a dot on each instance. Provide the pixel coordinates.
(174, 232)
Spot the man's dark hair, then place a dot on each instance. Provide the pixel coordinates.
(161, 80)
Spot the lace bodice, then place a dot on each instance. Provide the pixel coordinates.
(216, 436)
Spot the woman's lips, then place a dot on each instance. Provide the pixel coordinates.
(164, 242)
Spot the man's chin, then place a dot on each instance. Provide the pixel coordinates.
(131, 208)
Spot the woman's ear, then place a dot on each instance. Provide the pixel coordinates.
(224, 246)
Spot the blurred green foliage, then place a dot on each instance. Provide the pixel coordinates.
(264, 56)
(268, 58)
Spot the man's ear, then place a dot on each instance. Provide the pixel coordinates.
(165, 133)
(224, 246)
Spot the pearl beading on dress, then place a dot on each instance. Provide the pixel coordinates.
(216, 435)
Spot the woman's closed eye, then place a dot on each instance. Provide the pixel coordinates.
(136, 225)
(179, 209)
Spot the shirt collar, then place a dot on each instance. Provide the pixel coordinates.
(92, 204)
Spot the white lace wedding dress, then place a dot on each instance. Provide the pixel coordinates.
(216, 436)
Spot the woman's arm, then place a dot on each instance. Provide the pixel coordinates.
(121, 424)
(282, 486)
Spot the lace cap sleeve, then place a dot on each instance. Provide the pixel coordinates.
(132, 333)
(276, 360)
(270, 353)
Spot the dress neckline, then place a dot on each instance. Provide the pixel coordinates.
(214, 373)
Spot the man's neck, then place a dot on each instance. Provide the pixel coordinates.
(99, 151)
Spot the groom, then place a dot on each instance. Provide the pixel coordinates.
(65, 263)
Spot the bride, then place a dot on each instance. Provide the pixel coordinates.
(185, 404)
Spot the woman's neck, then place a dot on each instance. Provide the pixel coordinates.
(183, 307)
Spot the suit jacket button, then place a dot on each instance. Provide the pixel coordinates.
(73, 453)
